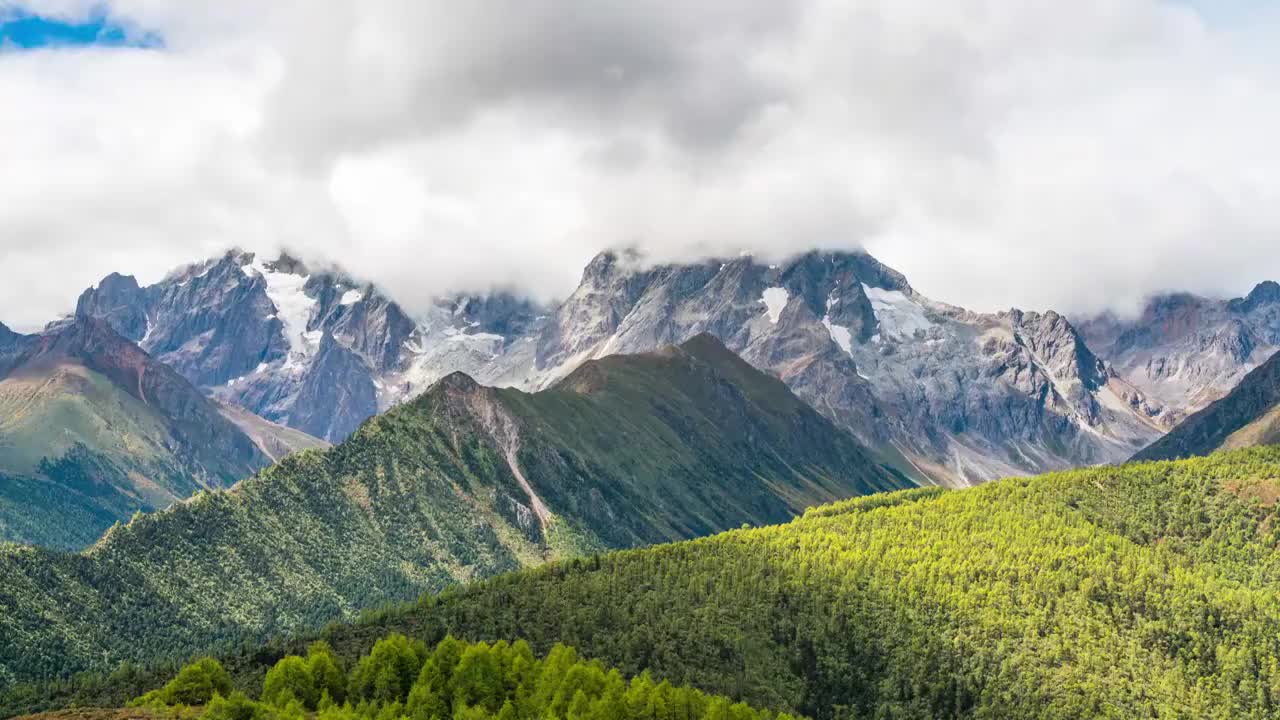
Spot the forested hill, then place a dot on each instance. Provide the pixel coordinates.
(462, 483)
(1149, 590)
(1248, 416)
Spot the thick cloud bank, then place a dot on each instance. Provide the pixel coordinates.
(1044, 154)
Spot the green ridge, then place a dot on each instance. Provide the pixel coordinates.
(93, 430)
(624, 452)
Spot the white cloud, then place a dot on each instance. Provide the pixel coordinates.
(1040, 154)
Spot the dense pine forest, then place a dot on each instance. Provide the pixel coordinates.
(1147, 590)
(402, 678)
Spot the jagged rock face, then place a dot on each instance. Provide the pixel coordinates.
(501, 313)
(965, 397)
(943, 393)
(363, 320)
(210, 322)
(314, 350)
(1185, 351)
(12, 345)
(335, 395)
(1247, 416)
(119, 298)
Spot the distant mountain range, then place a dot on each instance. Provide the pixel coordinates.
(92, 430)
(314, 350)
(1185, 351)
(463, 482)
(1249, 415)
(941, 393)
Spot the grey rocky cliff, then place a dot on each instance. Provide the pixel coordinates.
(955, 396)
(336, 394)
(942, 393)
(1185, 351)
(314, 350)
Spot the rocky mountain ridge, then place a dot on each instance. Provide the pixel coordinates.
(313, 350)
(92, 429)
(1247, 416)
(941, 393)
(1185, 351)
(950, 395)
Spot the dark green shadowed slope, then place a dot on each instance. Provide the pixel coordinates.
(693, 435)
(464, 482)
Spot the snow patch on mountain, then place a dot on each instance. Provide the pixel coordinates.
(899, 316)
(475, 337)
(839, 334)
(351, 297)
(293, 307)
(774, 299)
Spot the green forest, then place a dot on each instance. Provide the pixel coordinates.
(403, 678)
(627, 451)
(1146, 590)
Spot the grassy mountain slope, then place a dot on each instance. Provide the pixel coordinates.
(1249, 415)
(1148, 590)
(92, 430)
(464, 482)
(694, 434)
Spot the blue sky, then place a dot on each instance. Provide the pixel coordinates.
(23, 30)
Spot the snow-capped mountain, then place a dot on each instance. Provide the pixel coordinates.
(942, 393)
(313, 350)
(947, 394)
(1185, 351)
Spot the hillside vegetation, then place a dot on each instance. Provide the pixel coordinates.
(469, 681)
(93, 430)
(1148, 590)
(463, 483)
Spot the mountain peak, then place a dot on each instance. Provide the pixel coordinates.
(117, 282)
(288, 263)
(457, 381)
(1266, 292)
(119, 297)
(608, 262)
(856, 263)
(708, 347)
(11, 344)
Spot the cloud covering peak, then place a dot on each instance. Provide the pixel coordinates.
(1043, 154)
